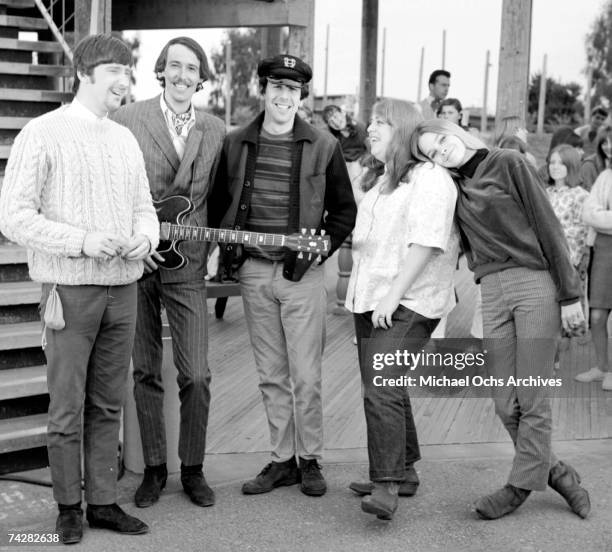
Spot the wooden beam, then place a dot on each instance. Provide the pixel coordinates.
(513, 79)
(83, 21)
(301, 42)
(183, 14)
(369, 58)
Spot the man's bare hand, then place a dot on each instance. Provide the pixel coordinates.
(149, 262)
(138, 247)
(102, 245)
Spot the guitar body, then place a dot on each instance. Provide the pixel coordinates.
(173, 209)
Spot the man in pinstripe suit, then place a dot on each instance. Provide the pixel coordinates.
(181, 147)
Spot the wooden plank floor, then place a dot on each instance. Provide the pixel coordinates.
(237, 421)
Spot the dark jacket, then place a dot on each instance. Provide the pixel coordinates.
(354, 145)
(324, 198)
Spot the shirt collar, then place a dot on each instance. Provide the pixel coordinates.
(168, 112)
(77, 109)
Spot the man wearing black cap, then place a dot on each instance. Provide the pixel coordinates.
(278, 175)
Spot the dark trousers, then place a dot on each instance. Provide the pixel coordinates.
(187, 313)
(392, 437)
(87, 367)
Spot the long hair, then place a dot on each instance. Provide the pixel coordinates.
(442, 126)
(603, 134)
(571, 159)
(403, 117)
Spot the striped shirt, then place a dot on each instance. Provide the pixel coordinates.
(269, 210)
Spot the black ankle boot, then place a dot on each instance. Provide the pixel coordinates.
(69, 523)
(501, 502)
(110, 516)
(195, 485)
(153, 482)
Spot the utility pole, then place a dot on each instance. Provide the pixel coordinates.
(542, 98)
(418, 96)
(444, 49)
(228, 83)
(485, 95)
(326, 66)
(513, 72)
(369, 53)
(382, 69)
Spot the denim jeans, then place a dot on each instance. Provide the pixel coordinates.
(392, 437)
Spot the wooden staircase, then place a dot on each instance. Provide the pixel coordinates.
(31, 73)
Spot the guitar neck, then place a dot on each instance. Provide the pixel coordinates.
(201, 233)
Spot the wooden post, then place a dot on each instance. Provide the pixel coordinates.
(369, 54)
(228, 82)
(420, 86)
(326, 65)
(485, 95)
(542, 98)
(513, 73)
(382, 63)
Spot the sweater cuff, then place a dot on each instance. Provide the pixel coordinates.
(567, 302)
(74, 243)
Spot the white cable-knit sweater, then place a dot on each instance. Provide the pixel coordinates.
(67, 175)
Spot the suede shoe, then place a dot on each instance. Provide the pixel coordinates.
(501, 502)
(565, 480)
(408, 487)
(275, 474)
(383, 500)
(153, 482)
(195, 486)
(112, 517)
(69, 525)
(313, 483)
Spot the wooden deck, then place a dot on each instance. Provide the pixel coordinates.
(237, 421)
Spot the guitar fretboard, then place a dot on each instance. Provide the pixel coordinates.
(199, 233)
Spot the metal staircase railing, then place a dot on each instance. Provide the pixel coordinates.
(49, 12)
(58, 32)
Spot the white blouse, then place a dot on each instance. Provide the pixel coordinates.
(419, 211)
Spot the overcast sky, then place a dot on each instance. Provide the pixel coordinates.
(559, 28)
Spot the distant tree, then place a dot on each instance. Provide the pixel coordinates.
(563, 106)
(246, 52)
(599, 54)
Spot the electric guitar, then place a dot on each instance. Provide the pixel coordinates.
(173, 211)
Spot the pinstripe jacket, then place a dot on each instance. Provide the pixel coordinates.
(170, 176)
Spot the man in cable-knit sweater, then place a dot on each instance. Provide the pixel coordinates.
(76, 195)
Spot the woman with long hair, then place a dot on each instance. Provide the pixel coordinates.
(515, 246)
(594, 164)
(405, 249)
(597, 213)
(567, 199)
(563, 135)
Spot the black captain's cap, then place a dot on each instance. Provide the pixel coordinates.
(285, 66)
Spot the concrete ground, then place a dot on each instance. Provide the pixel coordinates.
(438, 518)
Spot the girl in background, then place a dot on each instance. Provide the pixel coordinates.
(567, 198)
